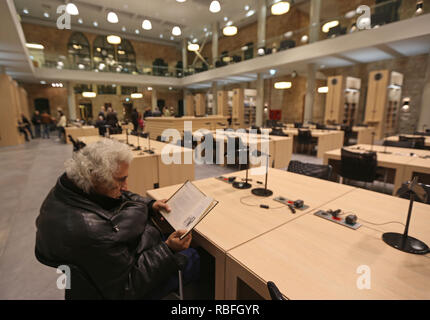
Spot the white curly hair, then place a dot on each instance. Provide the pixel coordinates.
(96, 164)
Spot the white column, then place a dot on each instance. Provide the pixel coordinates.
(215, 35)
(260, 101)
(184, 54)
(71, 101)
(315, 13)
(310, 92)
(154, 99)
(215, 97)
(261, 27)
(424, 119)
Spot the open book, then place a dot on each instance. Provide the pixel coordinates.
(188, 207)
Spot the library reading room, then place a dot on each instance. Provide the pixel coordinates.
(215, 150)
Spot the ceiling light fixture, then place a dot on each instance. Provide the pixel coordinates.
(149, 88)
(112, 17)
(246, 8)
(229, 31)
(176, 31)
(250, 13)
(181, 1)
(137, 31)
(215, 6)
(193, 47)
(34, 46)
(72, 9)
(272, 72)
(328, 25)
(225, 18)
(282, 85)
(25, 11)
(46, 15)
(350, 14)
(136, 95)
(88, 94)
(304, 39)
(419, 8)
(42, 82)
(322, 89)
(80, 21)
(146, 25)
(280, 8)
(123, 29)
(113, 39)
(95, 24)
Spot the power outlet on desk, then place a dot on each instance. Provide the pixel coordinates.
(287, 202)
(341, 221)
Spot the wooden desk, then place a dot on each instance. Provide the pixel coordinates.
(156, 125)
(148, 171)
(313, 258)
(238, 217)
(280, 148)
(396, 138)
(397, 159)
(327, 139)
(77, 132)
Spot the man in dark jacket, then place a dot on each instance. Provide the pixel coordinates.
(37, 122)
(89, 220)
(135, 119)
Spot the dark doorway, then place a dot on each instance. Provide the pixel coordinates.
(161, 104)
(86, 111)
(128, 109)
(42, 105)
(180, 108)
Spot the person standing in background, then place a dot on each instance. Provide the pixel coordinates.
(102, 112)
(148, 113)
(46, 122)
(37, 122)
(166, 112)
(61, 124)
(27, 125)
(135, 119)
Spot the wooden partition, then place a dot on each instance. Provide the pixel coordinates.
(9, 112)
(238, 108)
(200, 103)
(222, 103)
(382, 104)
(189, 105)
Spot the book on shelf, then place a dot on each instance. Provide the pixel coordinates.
(189, 205)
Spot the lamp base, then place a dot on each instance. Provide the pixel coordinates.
(261, 192)
(148, 151)
(137, 149)
(408, 244)
(241, 185)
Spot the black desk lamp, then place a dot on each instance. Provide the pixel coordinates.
(138, 144)
(149, 144)
(264, 192)
(404, 242)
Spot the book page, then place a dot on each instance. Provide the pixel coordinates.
(187, 205)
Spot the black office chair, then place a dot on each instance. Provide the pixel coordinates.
(420, 133)
(298, 125)
(274, 292)
(304, 139)
(358, 166)
(426, 188)
(321, 126)
(417, 142)
(278, 132)
(398, 144)
(77, 144)
(311, 170)
(348, 135)
(82, 287)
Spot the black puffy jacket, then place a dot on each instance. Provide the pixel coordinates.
(119, 249)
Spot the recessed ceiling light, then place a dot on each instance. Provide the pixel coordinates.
(172, 38)
(112, 39)
(280, 8)
(72, 9)
(193, 47)
(137, 31)
(229, 23)
(161, 36)
(229, 31)
(205, 29)
(215, 6)
(282, 85)
(181, 1)
(112, 17)
(195, 40)
(246, 8)
(288, 34)
(225, 18)
(250, 13)
(170, 88)
(80, 21)
(46, 14)
(95, 24)
(42, 82)
(25, 11)
(123, 29)
(304, 39)
(272, 72)
(176, 31)
(149, 88)
(146, 24)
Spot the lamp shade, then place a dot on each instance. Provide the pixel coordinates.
(215, 6)
(136, 95)
(146, 24)
(112, 39)
(87, 94)
(176, 31)
(72, 9)
(112, 17)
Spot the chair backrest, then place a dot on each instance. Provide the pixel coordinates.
(360, 166)
(82, 287)
(321, 126)
(278, 132)
(256, 128)
(305, 136)
(426, 188)
(311, 170)
(399, 144)
(298, 125)
(425, 134)
(417, 142)
(274, 292)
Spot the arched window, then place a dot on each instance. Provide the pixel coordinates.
(126, 56)
(103, 54)
(78, 49)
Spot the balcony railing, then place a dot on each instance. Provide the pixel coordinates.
(380, 14)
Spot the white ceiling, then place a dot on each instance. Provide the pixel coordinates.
(193, 16)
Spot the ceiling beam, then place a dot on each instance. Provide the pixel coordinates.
(388, 50)
(342, 57)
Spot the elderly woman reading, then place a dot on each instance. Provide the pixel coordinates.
(90, 220)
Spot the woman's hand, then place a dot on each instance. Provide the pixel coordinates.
(176, 244)
(161, 204)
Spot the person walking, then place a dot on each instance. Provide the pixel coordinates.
(46, 122)
(61, 124)
(27, 125)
